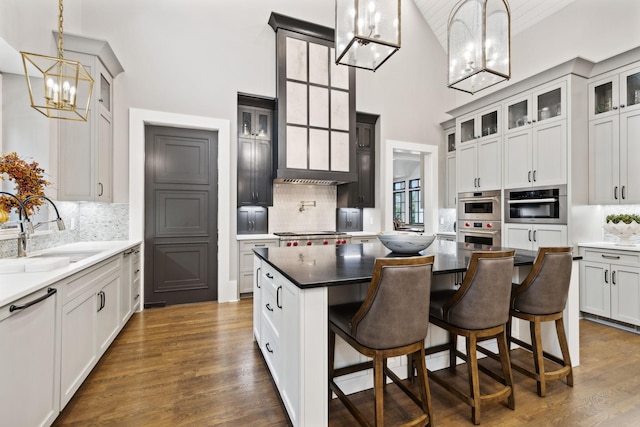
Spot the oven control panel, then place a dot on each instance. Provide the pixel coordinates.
(479, 225)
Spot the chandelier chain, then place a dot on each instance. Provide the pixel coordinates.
(60, 30)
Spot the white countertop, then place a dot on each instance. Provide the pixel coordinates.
(610, 245)
(17, 285)
(240, 237)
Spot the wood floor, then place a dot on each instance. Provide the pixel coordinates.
(197, 365)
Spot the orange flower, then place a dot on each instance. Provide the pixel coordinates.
(29, 179)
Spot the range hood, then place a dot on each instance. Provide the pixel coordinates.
(315, 132)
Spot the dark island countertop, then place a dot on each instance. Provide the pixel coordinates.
(321, 266)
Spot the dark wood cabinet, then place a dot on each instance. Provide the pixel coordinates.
(361, 194)
(254, 157)
(349, 219)
(252, 220)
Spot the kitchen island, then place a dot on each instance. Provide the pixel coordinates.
(293, 288)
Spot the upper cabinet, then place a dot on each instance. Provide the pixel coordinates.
(614, 130)
(254, 157)
(85, 149)
(535, 137)
(479, 150)
(316, 105)
(451, 193)
(361, 194)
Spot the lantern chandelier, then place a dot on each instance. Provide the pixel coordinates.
(367, 32)
(58, 87)
(478, 35)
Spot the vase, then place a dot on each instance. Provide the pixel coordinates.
(624, 232)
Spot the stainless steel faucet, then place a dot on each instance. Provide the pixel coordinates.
(22, 236)
(58, 220)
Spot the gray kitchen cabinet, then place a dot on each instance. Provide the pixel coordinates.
(349, 219)
(479, 151)
(535, 137)
(614, 129)
(90, 321)
(316, 106)
(254, 172)
(610, 284)
(451, 194)
(85, 149)
(253, 220)
(30, 360)
(361, 194)
(245, 262)
(255, 123)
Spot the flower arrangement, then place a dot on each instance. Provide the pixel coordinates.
(29, 180)
(624, 226)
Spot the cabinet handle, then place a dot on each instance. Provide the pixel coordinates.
(258, 277)
(101, 189)
(50, 291)
(278, 296)
(137, 296)
(613, 277)
(268, 347)
(622, 105)
(622, 192)
(269, 276)
(258, 245)
(529, 176)
(534, 120)
(615, 108)
(268, 306)
(478, 182)
(137, 271)
(610, 256)
(530, 235)
(606, 276)
(534, 176)
(615, 192)
(101, 301)
(534, 235)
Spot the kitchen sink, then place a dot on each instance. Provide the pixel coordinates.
(74, 256)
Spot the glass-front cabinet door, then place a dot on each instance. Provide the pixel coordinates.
(603, 97)
(517, 113)
(254, 123)
(549, 103)
(480, 125)
(630, 90)
(467, 130)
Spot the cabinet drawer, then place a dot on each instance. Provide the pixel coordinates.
(247, 246)
(270, 349)
(246, 262)
(80, 282)
(272, 304)
(625, 257)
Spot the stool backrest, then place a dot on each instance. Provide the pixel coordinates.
(395, 311)
(482, 301)
(546, 287)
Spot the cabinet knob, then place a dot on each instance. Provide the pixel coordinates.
(622, 105)
(615, 108)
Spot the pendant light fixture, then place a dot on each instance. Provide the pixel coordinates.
(478, 35)
(58, 88)
(367, 32)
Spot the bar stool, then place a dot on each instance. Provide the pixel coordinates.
(542, 297)
(478, 311)
(389, 322)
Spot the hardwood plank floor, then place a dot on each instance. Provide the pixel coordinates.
(197, 365)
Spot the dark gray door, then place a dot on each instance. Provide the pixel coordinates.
(181, 205)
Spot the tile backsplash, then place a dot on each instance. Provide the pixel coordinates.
(84, 221)
(286, 213)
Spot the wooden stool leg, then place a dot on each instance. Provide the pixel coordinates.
(538, 359)
(505, 361)
(332, 352)
(378, 375)
(474, 380)
(453, 342)
(425, 393)
(564, 348)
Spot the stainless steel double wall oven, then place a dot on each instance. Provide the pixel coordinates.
(479, 217)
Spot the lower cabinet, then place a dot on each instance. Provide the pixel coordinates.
(364, 239)
(130, 293)
(245, 261)
(29, 360)
(532, 237)
(90, 321)
(610, 284)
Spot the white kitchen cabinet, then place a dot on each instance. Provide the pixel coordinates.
(85, 149)
(257, 300)
(364, 239)
(535, 138)
(610, 284)
(245, 262)
(451, 193)
(30, 360)
(614, 129)
(90, 321)
(129, 294)
(532, 237)
(135, 275)
(479, 151)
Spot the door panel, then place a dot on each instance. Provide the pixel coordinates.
(180, 215)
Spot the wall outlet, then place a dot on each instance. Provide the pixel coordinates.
(441, 221)
(72, 224)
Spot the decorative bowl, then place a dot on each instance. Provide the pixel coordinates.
(623, 231)
(405, 243)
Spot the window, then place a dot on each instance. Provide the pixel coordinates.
(399, 210)
(416, 213)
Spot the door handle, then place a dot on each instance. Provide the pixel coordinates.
(613, 277)
(622, 192)
(534, 235)
(529, 176)
(615, 192)
(101, 189)
(530, 235)
(478, 182)
(606, 276)
(278, 292)
(534, 176)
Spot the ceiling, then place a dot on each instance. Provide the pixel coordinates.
(524, 14)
